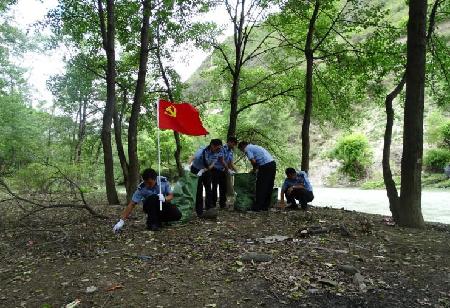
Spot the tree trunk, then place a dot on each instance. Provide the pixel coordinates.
(119, 145)
(81, 131)
(133, 161)
(410, 213)
(309, 55)
(108, 35)
(176, 135)
(234, 98)
(389, 183)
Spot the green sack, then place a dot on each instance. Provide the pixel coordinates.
(184, 193)
(274, 197)
(244, 187)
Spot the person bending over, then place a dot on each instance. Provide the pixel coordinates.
(296, 186)
(266, 168)
(148, 193)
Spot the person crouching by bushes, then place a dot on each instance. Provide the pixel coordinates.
(266, 168)
(148, 193)
(296, 186)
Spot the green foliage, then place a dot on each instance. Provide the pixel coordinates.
(355, 155)
(436, 159)
(44, 178)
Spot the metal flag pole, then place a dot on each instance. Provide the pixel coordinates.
(159, 153)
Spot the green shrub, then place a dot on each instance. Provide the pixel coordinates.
(435, 160)
(355, 155)
(445, 133)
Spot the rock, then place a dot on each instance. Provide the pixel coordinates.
(210, 214)
(349, 269)
(358, 280)
(91, 289)
(256, 257)
(328, 282)
(273, 239)
(312, 291)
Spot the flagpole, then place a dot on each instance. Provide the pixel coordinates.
(159, 152)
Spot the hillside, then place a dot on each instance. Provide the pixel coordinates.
(324, 135)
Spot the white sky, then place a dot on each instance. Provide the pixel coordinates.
(43, 65)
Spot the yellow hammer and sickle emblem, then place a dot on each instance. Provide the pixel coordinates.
(171, 111)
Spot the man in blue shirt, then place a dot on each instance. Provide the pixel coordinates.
(148, 192)
(202, 164)
(297, 186)
(266, 168)
(219, 172)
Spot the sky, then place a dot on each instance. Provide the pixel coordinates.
(41, 66)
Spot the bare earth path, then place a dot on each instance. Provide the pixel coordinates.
(51, 261)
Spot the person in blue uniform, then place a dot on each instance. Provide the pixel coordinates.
(202, 163)
(265, 167)
(220, 169)
(148, 193)
(296, 186)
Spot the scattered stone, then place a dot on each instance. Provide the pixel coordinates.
(312, 291)
(358, 280)
(328, 282)
(256, 257)
(349, 269)
(91, 289)
(273, 239)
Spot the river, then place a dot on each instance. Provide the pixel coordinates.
(435, 204)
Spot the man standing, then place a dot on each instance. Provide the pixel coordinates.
(265, 167)
(297, 186)
(219, 172)
(202, 164)
(148, 192)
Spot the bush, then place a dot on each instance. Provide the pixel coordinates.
(435, 160)
(355, 155)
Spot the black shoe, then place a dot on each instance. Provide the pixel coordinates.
(154, 227)
(210, 214)
(293, 206)
(304, 207)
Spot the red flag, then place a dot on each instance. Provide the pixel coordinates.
(182, 118)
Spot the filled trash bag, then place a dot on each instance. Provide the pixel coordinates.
(244, 188)
(184, 193)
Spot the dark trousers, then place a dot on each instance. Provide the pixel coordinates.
(302, 195)
(203, 182)
(219, 179)
(155, 216)
(265, 180)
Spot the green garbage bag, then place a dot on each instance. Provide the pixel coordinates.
(274, 197)
(244, 187)
(184, 193)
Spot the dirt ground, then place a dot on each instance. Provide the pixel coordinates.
(61, 256)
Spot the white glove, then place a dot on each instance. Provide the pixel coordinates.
(231, 172)
(201, 172)
(161, 198)
(118, 226)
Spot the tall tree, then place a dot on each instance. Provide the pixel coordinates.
(321, 32)
(133, 161)
(108, 31)
(410, 213)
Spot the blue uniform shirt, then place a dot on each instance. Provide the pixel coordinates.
(302, 178)
(227, 155)
(259, 154)
(205, 155)
(143, 191)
